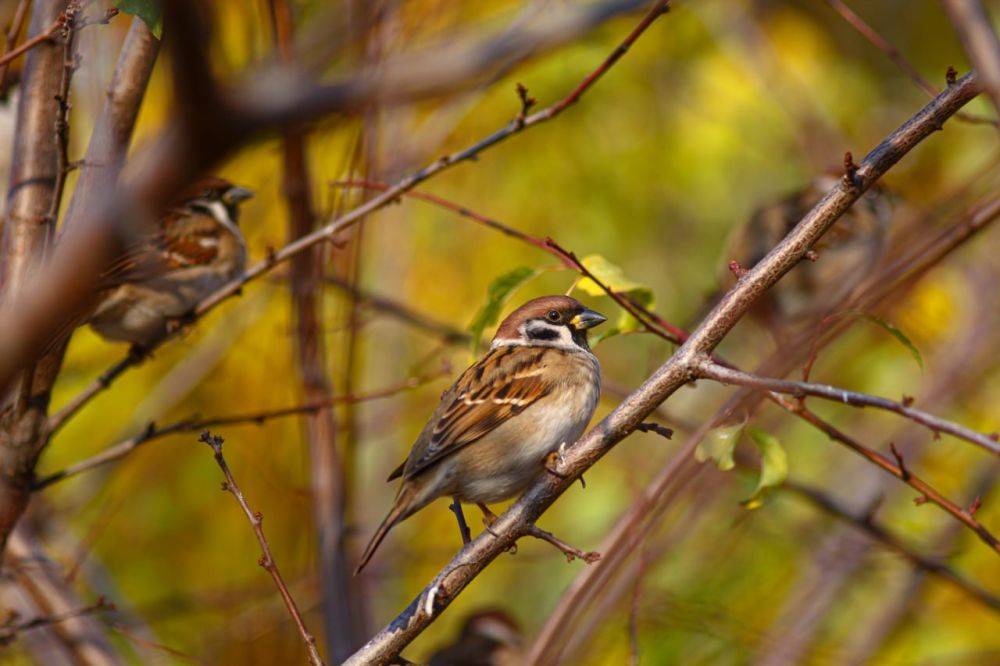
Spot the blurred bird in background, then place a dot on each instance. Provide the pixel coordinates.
(197, 248)
(840, 262)
(488, 638)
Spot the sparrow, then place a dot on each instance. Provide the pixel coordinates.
(533, 391)
(487, 638)
(197, 247)
(844, 256)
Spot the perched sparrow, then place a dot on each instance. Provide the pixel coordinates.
(534, 390)
(844, 256)
(488, 638)
(198, 247)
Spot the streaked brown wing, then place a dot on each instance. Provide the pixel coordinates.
(503, 384)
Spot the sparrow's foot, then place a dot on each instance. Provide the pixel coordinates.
(554, 461)
(569, 551)
(463, 527)
(488, 517)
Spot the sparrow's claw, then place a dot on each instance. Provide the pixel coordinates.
(488, 518)
(554, 461)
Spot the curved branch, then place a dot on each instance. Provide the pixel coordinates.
(711, 370)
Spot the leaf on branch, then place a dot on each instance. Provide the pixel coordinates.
(718, 444)
(496, 295)
(773, 466)
(148, 10)
(899, 335)
(614, 277)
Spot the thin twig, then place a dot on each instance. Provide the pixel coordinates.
(894, 54)
(13, 30)
(152, 432)
(267, 559)
(711, 370)
(10, 630)
(865, 523)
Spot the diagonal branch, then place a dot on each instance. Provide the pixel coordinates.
(677, 371)
(153, 432)
(712, 370)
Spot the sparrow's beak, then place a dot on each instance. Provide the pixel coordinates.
(587, 319)
(235, 195)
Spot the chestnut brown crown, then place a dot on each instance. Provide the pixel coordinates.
(554, 310)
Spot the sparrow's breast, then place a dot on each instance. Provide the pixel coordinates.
(504, 462)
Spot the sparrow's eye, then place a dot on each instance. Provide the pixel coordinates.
(553, 315)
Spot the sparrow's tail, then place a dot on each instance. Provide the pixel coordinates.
(400, 510)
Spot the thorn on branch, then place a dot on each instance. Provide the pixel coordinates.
(812, 255)
(907, 400)
(903, 472)
(527, 102)
(737, 270)
(950, 76)
(921, 500)
(851, 171)
(976, 503)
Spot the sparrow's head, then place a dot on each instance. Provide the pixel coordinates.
(216, 197)
(549, 321)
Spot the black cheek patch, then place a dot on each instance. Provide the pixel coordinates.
(541, 333)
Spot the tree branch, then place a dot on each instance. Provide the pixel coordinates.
(152, 432)
(267, 559)
(714, 371)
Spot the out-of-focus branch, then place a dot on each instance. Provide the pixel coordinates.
(673, 374)
(980, 41)
(13, 30)
(447, 332)
(342, 620)
(152, 432)
(898, 469)
(712, 370)
(267, 559)
(43, 583)
(894, 54)
(163, 169)
(27, 233)
(865, 523)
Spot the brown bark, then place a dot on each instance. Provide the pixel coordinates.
(27, 232)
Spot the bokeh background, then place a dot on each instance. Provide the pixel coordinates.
(720, 108)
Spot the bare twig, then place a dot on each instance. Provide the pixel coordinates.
(152, 432)
(980, 41)
(267, 559)
(673, 374)
(865, 523)
(10, 630)
(711, 370)
(894, 54)
(927, 493)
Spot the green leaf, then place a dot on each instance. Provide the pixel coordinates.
(148, 10)
(773, 466)
(496, 295)
(613, 276)
(899, 335)
(718, 444)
